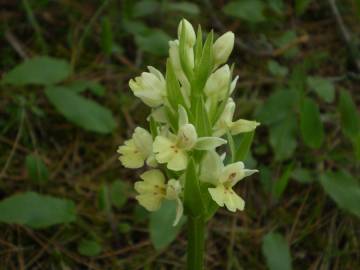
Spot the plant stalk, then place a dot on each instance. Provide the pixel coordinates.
(196, 243)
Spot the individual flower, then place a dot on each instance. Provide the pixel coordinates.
(153, 190)
(224, 178)
(137, 150)
(225, 122)
(218, 84)
(150, 87)
(223, 47)
(173, 149)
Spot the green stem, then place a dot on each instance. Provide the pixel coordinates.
(195, 248)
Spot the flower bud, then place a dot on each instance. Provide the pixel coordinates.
(223, 47)
(176, 64)
(150, 87)
(218, 82)
(189, 32)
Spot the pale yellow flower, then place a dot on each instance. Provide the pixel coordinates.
(152, 190)
(150, 87)
(137, 150)
(225, 122)
(173, 149)
(224, 178)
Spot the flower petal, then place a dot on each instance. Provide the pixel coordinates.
(242, 125)
(179, 161)
(209, 143)
(218, 194)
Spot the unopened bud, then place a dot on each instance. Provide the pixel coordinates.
(189, 32)
(223, 47)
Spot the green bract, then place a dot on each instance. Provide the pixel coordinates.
(191, 111)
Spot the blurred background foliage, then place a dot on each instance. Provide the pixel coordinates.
(66, 203)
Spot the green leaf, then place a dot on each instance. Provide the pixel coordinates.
(284, 40)
(343, 189)
(80, 86)
(36, 210)
(81, 111)
(243, 146)
(162, 231)
(276, 69)
(349, 115)
(193, 202)
(119, 193)
(174, 93)
(106, 36)
(185, 7)
(155, 41)
(282, 137)
(248, 10)
(145, 7)
(206, 64)
(36, 169)
(302, 175)
(276, 251)
(301, 6)
(277, 6)
(277, 107)
(42, 70)
(323, 87)
(104, 202)
(281, 183)
(89, 247)
(311, 127)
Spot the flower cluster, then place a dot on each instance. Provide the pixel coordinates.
(191, 112)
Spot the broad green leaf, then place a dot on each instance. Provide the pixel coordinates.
(302, 175)
(282, 137)
(154, 41)
(248, 10)
(281, 183)
(81, 111)
(276, 69)
(89, 247)
(344, 189)
(311, 127)
(349, 115)
(277, 107)
(276, 251)
(36, 210)
(193, 202)
(243, 146)
(36, 169)
(301, 6)
(186, 7)
(42, 70)
(119, 193)
(162, 231)
(323, 87)
(80, 86)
